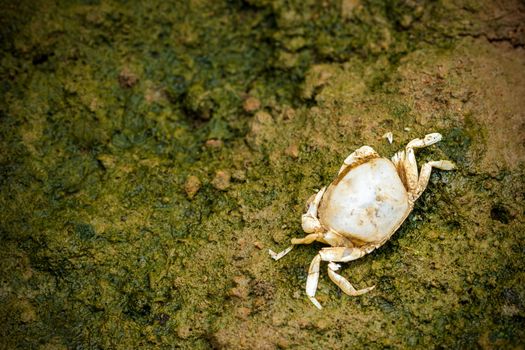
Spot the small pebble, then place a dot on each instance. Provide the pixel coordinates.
(238, 292)
(239, 175)
(27, 311)
(221, 181)
(184, 331)
(241, 291)
(242, 312)
(192, 186)
(292, 150)
(213, 143)
(108, 161)
(127, 78)
(263, 118)
(289, 113)
(322, 324)
(251, 104)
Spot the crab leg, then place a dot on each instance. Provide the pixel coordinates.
(310, 224)
(360, 154)
(313, 279)
(426, 141)
(343, 283)
(424, 175)
(341, 254)
(334, 254)
(276, 256)
(406, 163)
(306, 240)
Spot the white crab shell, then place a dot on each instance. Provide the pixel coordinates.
(365, 203)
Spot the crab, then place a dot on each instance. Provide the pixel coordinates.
(362, 208)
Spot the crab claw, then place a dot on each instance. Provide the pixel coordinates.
(310, 224)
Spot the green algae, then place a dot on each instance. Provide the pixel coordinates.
(107, 108)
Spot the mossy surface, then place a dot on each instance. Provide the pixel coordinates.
(151, 153)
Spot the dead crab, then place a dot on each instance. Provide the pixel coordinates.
(362, 208)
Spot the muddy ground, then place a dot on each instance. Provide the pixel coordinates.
(151, 154)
